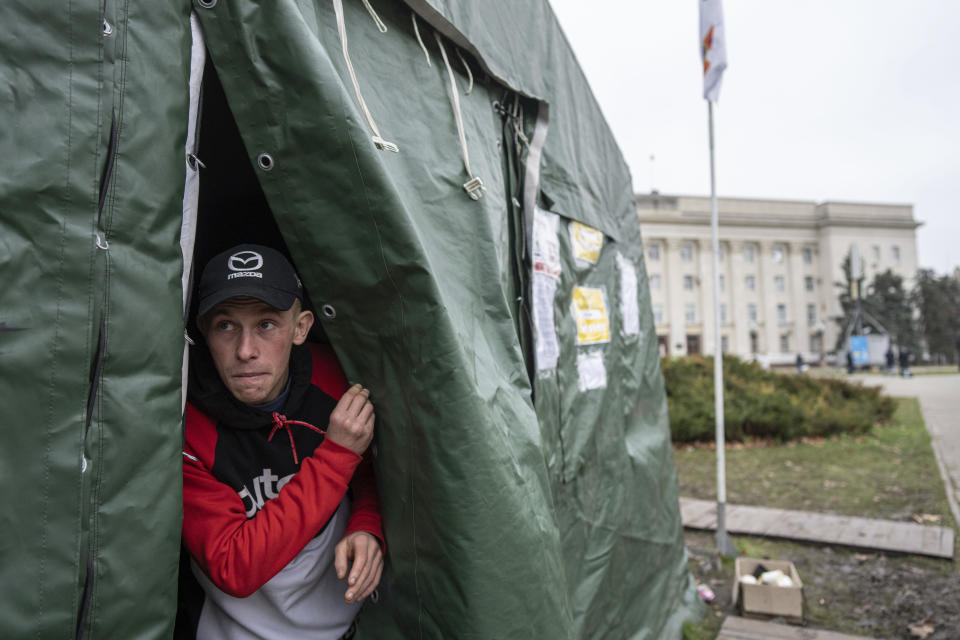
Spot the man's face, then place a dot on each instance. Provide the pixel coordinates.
(250, 342)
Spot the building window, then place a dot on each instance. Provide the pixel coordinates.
(895, 252)
(808, 283)
(752, 312)
(816, 341)
(811, 314)
(690, 313)
(751, 282)
(749, 253)
(723, 282)
(876, 252)
(721, 251)
(777, 254)
(653, 252)
(784, 344)
(723, 314)
(658, 313)
(807, 255)
(779, 283)
(693, 344)
(688, 283)
(655, 282)
(724, 344)
(686, 252)
(782, 313)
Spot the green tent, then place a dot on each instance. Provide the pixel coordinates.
(485, 280)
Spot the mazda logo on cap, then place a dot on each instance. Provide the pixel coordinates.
(245, 261)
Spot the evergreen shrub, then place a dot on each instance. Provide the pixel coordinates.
(762, 404)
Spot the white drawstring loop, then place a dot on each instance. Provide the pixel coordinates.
(474, 186)
(378, 140)
(416, 32)
(376, 19)
(469, 73)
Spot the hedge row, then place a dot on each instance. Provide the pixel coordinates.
(760, 403)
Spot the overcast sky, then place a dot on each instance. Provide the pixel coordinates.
(852, 100)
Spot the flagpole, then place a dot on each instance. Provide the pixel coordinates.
(724, 544)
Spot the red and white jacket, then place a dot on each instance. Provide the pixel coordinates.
(265, 499)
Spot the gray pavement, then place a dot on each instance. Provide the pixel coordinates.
(939, 397)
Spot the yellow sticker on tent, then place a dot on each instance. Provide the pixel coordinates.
(590, 311)
(587, 242)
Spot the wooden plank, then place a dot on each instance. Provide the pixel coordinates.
(866, 533)
(735, 628)
(701, 514)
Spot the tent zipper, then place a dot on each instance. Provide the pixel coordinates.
(108, 167)
(96, 371)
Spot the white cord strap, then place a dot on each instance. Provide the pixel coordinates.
(342, 28)
(416, 31)
(376, 19)
(474, 186)
(469, 73)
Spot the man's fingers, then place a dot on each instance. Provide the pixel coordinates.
(374, 579)
(365, 412)
(367, 560)
(361, 563)
(357, 396)
(340, 557)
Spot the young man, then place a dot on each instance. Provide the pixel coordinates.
(277, 499)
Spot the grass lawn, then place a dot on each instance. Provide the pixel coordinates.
(888, 473)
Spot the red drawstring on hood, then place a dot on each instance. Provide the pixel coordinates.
(280, 421)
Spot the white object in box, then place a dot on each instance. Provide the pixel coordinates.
(764, 599)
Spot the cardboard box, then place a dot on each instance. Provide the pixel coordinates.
(764, 600)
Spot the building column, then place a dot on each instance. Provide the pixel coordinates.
(801, 328)
(768, 329)
(705, 274)
(740, 340)
(673, 287)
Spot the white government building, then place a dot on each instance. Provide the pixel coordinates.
(779, 260)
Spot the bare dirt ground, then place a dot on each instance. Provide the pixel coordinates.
(851, 591)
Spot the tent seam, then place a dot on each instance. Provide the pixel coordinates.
(53, 352)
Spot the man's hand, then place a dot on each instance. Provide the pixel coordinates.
(364, 550)
(351, 423)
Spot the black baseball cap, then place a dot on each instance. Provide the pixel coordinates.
(249, 270)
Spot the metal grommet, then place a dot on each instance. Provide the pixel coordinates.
(329, 311)
(207, 4)
(102, 243)
(375, 596)
(265, 160)
(83, 464)
(194, 162)
(107, 28)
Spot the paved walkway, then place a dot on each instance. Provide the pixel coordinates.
(743, 629)
(939, 397)
(867, 533)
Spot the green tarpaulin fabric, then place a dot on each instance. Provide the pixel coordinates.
(520, 500)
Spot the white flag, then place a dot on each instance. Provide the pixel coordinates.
(713, 47)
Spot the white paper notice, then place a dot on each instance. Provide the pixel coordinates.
(629, 307)
(546, 244)
(592, 373)
(548, 350)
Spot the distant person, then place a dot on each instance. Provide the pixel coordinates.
(891, 360)
(850, 362)
(799, 363)
(905, 362)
